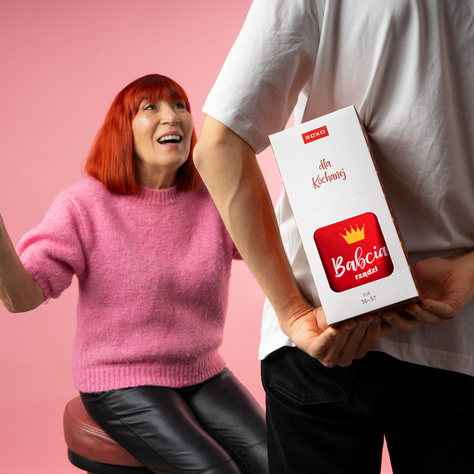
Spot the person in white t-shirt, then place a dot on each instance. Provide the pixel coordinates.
(408, 67)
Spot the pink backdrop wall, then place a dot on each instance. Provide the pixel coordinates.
(62, 63)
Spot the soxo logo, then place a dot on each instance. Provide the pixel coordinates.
(315, 134)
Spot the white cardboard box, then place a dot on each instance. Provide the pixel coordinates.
(348, 230)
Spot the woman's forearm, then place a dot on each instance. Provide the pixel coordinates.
(18, 290)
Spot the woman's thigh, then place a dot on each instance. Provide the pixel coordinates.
(225, 408)
(158, 428)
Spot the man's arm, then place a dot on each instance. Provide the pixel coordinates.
(230, 170)
(18, 290)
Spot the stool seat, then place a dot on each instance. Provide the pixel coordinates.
(91, 449)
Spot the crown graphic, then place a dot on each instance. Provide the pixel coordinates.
(354, 235)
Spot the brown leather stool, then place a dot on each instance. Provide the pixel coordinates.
(91, 449)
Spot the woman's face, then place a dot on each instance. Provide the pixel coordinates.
(162, 134)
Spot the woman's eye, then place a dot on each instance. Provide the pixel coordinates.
(180, 105)
(150, 107)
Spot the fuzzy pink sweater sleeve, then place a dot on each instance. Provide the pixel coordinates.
(153, 272)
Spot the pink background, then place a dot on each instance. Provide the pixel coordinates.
(62, 64)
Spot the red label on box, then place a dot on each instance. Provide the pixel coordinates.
(353, 252)
(315, 134)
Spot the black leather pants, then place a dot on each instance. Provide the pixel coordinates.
(215, 427)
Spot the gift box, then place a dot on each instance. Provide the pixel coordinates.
(348, 229)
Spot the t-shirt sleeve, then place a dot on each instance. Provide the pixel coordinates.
(267, 68)
(53, 251)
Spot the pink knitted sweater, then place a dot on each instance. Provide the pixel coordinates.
(153, 272)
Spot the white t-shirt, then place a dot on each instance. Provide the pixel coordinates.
(408, 67)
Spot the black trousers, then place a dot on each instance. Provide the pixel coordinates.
(215, 427)
(333, 420)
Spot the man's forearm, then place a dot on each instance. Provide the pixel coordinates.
(230, 170)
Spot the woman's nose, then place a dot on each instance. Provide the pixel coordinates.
(169, 115)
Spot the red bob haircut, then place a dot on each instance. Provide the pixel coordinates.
(111, 158)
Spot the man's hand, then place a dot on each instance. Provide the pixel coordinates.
(446, 286)
(337, 345)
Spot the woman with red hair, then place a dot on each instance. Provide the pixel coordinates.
(153, 260)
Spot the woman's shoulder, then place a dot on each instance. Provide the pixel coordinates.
(201, 192)
(81, 197)
(201, 200)
(86, 187)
